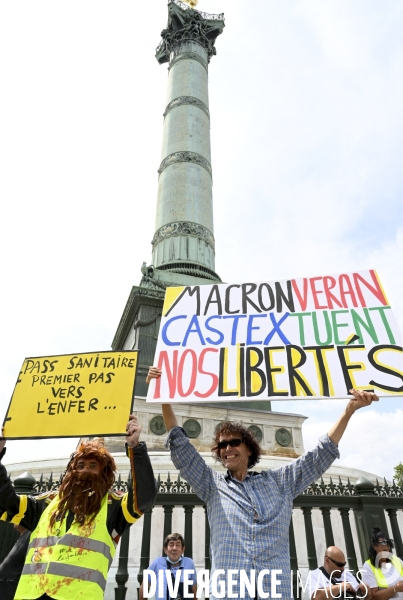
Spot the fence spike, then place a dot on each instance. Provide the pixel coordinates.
(323, 486)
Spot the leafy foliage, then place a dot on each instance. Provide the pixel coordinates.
(399, 474)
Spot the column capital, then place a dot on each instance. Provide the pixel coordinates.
(188, 24)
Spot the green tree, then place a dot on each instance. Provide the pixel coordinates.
(399, 474)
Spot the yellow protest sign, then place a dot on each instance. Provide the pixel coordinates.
(72, 395)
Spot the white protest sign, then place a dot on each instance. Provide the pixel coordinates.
(314, 337)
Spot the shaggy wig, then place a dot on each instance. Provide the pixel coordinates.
(72, 497)
(377, 535)
(237, 429)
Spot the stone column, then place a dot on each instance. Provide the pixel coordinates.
(184, 236)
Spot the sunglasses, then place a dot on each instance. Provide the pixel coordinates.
(383, 542)
(336, 562)
(233, 443)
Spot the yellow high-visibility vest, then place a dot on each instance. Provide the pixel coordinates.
(381, 580)
(67, 565)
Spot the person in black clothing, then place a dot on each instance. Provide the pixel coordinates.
(12, 565)
(81, 496)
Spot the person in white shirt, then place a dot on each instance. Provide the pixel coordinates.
(333, 580)
(383, 571)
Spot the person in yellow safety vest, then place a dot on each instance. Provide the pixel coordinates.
(383, 571)
(75, 531)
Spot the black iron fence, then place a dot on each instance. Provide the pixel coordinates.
(371, 505)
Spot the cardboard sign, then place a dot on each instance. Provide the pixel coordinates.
(312, 337)
(72, 395)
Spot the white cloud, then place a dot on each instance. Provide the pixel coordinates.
(347, 32)
(387, 259)
(371, 442)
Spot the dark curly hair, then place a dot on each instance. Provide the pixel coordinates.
(231, 428)
(377, 534)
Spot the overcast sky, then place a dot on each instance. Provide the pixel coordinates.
(306, 104)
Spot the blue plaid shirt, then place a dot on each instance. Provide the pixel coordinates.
(250, 520)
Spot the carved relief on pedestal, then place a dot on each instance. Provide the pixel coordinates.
(157, 425)
(192, 428)
(256, 432)
(283, 437)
